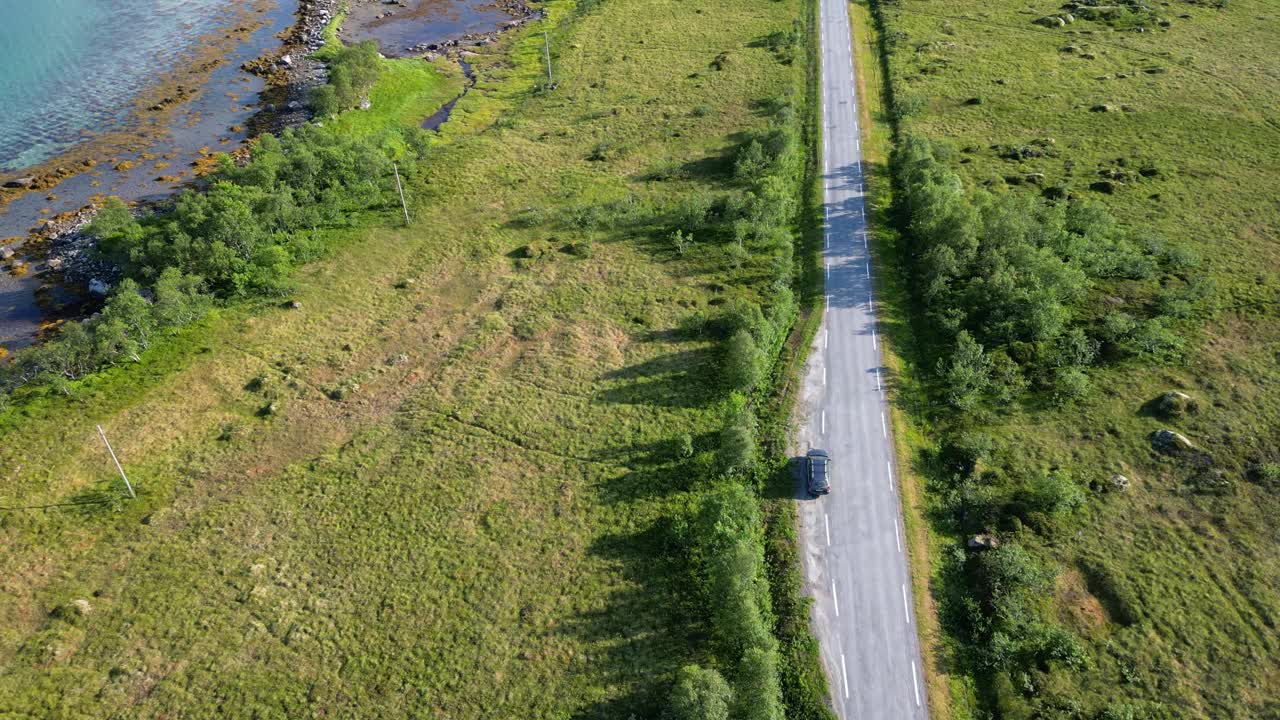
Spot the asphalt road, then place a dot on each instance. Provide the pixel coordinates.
(854, 556)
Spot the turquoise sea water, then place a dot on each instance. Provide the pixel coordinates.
(72, 65)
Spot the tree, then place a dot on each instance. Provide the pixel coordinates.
(737, 448)
(1069, 384)
(967, 373)
(324, 101)
(758, 695)
(698, 694)
(1075, 349)
(125, 326)
(179, 298)
(744, 363)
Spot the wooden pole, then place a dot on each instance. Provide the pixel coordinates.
(546, 52)
(127, 485)
(400, 190)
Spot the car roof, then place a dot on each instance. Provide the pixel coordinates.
(819, 453)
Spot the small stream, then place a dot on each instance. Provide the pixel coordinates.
(439, 117)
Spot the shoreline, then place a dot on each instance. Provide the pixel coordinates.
(53, 262)
(149, 114)
(47, 272)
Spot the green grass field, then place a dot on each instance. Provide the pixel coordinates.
(1174, 584)
(450, 483)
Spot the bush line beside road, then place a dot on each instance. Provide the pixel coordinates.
(1006, 307)
(748, 560)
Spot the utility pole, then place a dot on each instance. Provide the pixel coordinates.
(127, 486)
(400, 190)
(546, 52)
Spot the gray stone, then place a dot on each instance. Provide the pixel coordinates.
(1119, 483)
(982, 542)
(1169, 441)
(21, 183)
(97, 287)
(6, 253)
(1175, 404)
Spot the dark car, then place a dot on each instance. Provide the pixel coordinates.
(818, 472)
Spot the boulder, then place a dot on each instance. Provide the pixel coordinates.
(1102, 108)
(6, 253)
(983, 541)
(21, 183)
(1050, 21)
(1168, 441)
(98, 287)
(1119, 483)
(1175, 404)
(1108, 187)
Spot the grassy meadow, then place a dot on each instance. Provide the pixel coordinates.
(1166, 116)
(451, 477)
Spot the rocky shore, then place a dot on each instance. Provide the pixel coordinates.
(62, 254)
(519, 11)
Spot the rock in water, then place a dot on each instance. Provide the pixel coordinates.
(97, 287)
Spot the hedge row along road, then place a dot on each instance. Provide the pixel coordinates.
(855, 558)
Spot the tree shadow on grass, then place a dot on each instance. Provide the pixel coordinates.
(678, 379)
(655, 470)
(647, 627)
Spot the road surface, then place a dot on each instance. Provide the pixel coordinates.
(854, 556)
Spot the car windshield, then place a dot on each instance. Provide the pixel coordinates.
(820, 471)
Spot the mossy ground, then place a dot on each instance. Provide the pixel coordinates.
(1173, 585)
(445, 484)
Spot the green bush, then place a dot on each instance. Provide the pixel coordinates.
(966, 375)
(743, 362)
(737, 448)
(353, 70)
(698, 694)
(759, 697)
